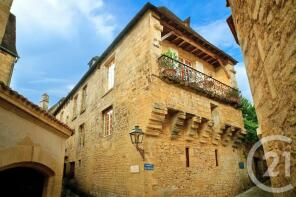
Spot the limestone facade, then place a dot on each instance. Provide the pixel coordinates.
(192, 139)
(266, 33)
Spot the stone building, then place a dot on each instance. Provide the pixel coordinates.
(8, 53)
(32, 142)
(180, 89)
(266, 33)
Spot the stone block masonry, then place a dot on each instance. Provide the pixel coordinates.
(267, 36)
(177, 123)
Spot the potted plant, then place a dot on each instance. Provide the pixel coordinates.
(168, 64)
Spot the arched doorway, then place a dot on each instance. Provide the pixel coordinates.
(28, 179)
(22, 181)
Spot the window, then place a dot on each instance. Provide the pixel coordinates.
(216, 157)
(185, 61)
(187, 156)
(72, 170)
(199, 67)
(83, 100)
(81, 136)
(110, 77)
(107, 119)
(75, 107)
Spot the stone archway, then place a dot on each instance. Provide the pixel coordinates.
(26, 154)
(25, 179)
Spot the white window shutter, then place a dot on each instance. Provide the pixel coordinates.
(199, 67)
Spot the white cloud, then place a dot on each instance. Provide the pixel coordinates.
(61, 16)
(242, 80)
(218, 33)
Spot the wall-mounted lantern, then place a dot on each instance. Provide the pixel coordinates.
(137, 136)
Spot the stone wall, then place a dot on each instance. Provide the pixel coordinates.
(140, 97)
(27, 142)
(266, 33)
(6, 67)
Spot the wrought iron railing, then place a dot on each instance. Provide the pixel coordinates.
(180, 73)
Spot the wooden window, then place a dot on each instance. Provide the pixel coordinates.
(108, 121)
(83, 99)
(216, 157)
(111, 75)
(81, 136)
(75, 106)
(187, 157)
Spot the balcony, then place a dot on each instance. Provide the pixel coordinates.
(177, 72)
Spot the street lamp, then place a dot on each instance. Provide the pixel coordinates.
(137, 136)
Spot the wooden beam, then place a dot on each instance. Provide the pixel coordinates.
(190, 41)
(166, 35)
(195, 49)
(183, 41)
(223, 67)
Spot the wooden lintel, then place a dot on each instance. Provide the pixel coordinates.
(166, 35)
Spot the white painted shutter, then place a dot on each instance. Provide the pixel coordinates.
(199, 67)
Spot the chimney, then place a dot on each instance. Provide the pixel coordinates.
(186, 22)
(93, 61)
(5, 6)
(44, 101)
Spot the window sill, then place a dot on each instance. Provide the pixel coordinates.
(108, 91)
(106, 136)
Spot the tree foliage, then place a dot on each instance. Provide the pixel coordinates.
(250, 120)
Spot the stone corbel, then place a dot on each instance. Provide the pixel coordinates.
(193, 126)
(206, 131)
(156, 120)
(178, 123)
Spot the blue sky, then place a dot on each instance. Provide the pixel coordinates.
(56, 39)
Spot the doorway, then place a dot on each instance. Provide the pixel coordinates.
(21, 181)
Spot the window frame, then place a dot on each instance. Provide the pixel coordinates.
(110, 75)
(74, 109)
(81, 135)
(108, 112)
(83, 99)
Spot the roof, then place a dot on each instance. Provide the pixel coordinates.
(8, 43)
(186, 29)
(16, 99)
(128, 27)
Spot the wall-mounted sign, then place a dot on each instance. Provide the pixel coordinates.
(148, 166)
(135, 169)
(241, 165)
